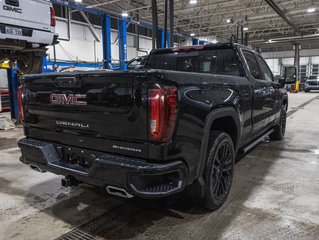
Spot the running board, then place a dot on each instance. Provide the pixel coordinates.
(255, 143)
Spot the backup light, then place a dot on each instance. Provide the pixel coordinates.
(163, 113)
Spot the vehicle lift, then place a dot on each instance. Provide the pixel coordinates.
(13, 85)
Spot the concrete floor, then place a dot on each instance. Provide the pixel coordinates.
(275, 195)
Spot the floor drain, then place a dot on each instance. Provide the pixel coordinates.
(112, 220)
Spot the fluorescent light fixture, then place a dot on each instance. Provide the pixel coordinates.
(311, 10)
(245, 28)
(124, 14)
(192, 34)
(193, 1)
(228, 20)
(78, 1)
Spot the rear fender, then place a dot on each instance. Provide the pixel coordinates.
(216, 114)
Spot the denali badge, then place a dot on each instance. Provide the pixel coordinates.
(72, 124)
(71, 99)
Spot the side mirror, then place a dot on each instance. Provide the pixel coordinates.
(290, 75)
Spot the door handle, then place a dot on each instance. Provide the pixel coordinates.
(14, 3)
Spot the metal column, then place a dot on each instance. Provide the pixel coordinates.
(162, 35)
(171, 22)
(13, 89)
(106, 41)
(122, 43)
(297, 60)
(169, 40)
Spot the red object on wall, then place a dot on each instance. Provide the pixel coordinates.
(4, 94)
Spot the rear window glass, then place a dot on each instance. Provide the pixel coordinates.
(219, 61)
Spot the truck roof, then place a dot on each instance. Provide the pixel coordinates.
(197, 48)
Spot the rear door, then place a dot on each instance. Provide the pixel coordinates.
(261, 92)
(273, 100)
(33, 14)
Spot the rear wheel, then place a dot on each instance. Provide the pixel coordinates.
(280, 129)
(30, 63)
(218, 172)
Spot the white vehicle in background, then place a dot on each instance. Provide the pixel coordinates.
(27, 27)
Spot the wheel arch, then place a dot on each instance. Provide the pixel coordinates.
(220, 119)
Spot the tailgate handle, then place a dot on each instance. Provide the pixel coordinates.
(67, 82)
(14, 3)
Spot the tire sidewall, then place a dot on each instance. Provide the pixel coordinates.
(215, 143)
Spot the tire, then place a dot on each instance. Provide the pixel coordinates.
(280, 129)
(219, 169)
(31, 63)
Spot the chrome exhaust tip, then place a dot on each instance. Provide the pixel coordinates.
(36, 168)
(120, 192)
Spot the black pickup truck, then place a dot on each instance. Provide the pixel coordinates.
(175, 125)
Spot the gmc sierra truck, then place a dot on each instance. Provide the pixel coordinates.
(175, 125)
(27, 27)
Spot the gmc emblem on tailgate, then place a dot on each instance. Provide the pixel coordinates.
(12, 9)
(71, 99)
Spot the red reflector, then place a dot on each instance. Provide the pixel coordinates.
(53, 20)
(163, 112)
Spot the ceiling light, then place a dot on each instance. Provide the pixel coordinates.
(311, 10)
(228, 20)
(124, 14)
(245, 28)
(78, 0)
(192, 34)
(193, 1)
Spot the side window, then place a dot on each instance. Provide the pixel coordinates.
(252, 64)
(265, 70)
(221, 61)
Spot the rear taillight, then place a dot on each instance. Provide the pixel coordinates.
(163, 113)
(53, 20)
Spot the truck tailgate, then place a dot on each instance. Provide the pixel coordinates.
(32, 13)
(87, 109)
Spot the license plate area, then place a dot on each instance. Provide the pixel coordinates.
(13, 31)
(76, 156)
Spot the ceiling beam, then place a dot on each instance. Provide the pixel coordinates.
(278, 10)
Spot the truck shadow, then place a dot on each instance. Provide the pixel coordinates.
(178, 217)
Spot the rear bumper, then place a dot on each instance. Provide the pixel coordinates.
(137, 177)
(29, 35)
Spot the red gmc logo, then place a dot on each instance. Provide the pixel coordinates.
(71, 99)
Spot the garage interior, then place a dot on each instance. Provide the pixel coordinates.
(275, 191)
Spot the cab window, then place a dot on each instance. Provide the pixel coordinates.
(265, 70)
(252, 64)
